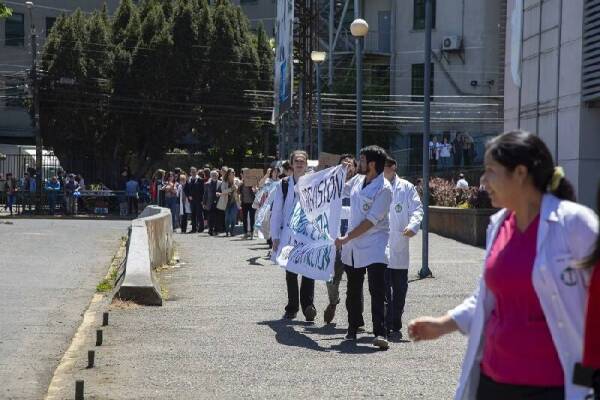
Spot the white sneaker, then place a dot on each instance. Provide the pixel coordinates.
(381, 342)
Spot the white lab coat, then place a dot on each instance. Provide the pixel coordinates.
(566, 234)
(372, 203)
(282, 212)
(406, 211)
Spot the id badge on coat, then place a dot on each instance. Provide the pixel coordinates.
(365, 204)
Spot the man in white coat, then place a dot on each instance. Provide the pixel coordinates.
(283, 207)
(363, 247)
(406, 214)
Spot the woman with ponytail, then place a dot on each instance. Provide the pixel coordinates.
(525, 321)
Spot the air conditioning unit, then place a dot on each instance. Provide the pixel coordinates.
(451, 43)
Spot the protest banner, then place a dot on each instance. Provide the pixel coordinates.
(307, 243)
(262, 203)
(327, 160)
(253, 176)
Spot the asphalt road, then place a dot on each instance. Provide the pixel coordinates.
(220, 334)
(49, 270)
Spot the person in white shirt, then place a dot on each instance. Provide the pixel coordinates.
(363, 247)
(525, 320)
(445, 154)
(406, 214)
(283, 207)
(434, 152)
(462, 182)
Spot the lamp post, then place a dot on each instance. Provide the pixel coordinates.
(35, 111)
(319, 57)
(425, 271)
(359, 29)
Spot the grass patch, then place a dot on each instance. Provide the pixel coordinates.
(108, 283)
(105, 285)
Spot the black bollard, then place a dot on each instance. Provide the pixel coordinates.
(99, 337)
(105, 319)
(91, 356)
(78, 390)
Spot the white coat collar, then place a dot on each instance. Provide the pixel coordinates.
(372, 188)
(548, 213)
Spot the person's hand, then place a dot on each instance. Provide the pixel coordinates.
(218, 194)
(190, 198)
(430, 328)
(275, 245)
(339, 242)
(408, 233)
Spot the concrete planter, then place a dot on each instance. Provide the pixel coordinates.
(466, 225)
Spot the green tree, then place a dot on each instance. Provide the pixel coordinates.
(4, 10)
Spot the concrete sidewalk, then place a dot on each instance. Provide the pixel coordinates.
(220, 334)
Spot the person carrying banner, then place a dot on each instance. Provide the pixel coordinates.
(406, 213)
(333, 287)
(283, 206)
(363, 247)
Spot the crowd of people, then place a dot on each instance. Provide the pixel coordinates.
(525, 321)
(213, 200)
(60, 192)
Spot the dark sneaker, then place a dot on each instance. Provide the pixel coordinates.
(329, 313)
(310, 313)
(289, 315)
(395, 336)
(351, 334)
(381, 342)
(361, 329)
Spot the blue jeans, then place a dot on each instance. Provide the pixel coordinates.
(10, 202)
(231, 217)
(173, 205)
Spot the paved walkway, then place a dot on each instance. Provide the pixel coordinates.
(220, 334)
(49, 270)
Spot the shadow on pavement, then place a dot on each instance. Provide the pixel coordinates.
(361, 346)
(329, 329)
(253, 261)
(286, 334)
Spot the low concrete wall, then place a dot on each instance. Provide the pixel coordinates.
(150, 246)
(466, 225)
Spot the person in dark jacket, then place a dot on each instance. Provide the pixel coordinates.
(194, 190)
(209, 201)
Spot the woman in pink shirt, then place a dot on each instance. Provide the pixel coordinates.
(518, 358)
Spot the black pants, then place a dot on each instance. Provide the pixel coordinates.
(396, 286)
(212, 220)
(197, 216)
(488, 389)
(132, 205)
(183, 219)
(247, 210)
(307, 292)
(220, 220)
(354, 296)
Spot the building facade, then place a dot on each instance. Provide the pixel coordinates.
(553, 52)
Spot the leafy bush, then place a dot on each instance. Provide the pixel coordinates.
(444, 193)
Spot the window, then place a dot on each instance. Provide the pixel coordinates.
(419, 14)
(15, 30)
(418, 81)
(49, 24)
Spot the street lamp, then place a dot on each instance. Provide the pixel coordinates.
(35, 111)
(319, 57)
(359, 29)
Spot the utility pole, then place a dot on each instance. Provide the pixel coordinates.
(425, 271)
(35, 112)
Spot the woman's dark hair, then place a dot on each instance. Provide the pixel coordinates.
(594, 258)
(375, 154)
(514, 148)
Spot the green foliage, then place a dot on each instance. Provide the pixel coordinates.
(5, 11)
(123, 90)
